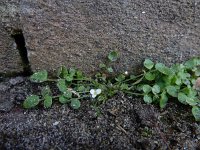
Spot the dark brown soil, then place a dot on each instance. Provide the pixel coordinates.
(122, 123)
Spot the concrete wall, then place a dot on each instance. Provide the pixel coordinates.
(80, 33)
(10, 60)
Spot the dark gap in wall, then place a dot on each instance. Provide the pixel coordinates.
(18, 36)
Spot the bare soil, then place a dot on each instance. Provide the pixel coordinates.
(121, 123)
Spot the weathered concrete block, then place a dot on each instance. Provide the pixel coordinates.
(80, 33)
(10, 60)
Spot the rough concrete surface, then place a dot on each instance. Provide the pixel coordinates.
(10, 60)
(80, 33)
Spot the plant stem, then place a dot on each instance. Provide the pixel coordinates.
(52, 80)
(137, 94)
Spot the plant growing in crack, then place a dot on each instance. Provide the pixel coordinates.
(156, 84)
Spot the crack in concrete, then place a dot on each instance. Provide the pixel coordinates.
(18, 36)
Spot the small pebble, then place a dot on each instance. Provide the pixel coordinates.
(16, 80)
(56, 123)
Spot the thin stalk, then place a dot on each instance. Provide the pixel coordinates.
(137, 94)
(52, 80)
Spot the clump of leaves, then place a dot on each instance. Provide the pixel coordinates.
(157, 84)
(71, 83)
(177, 81)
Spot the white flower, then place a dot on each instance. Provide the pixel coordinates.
(95, 92)
(126, 72)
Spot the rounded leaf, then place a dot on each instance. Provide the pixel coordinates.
(47, 101)
(39, 77)
(31, 101)
(72, 72)
(182, 98)
(102, 66)
(113, 56)
(196, 112)
(190, 64)
(63, 100)
(146, 88)
(150, 76)
(147, 99)
(67, 94)
(75, 103)
(192, 101)
(171, 90)
(69, 78)
(156, 89)
(148, 64)
(61, 85)
(110, 70)
(46, 91)
(62, 72)
(163, 69)
(163, 100)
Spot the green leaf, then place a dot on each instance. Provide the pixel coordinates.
(31, 101)
(146, 88)
(113, 56)
(67, 94)
(182, 98)
(75, 103)
(79, 75)
(148, 64)
(178, 80)
(69, 78)
(197, 72)
(102, 66)
(62, 72)
(63, 100)
(163, 100)
(156, 89)
(110, 70)
(61, 85)
(191, 92)
(46, 91)
(39, 77)
(47, 101)
(171, 90)
(150, 76)
(163, 69)
(147, 99)
(192, 101)
(72, 72)
(81, 88)
(124, 86)
(191, 63)
(183, 75)
(196, 113)
(120, 78)
(156, 98)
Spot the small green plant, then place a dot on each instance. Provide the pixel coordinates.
(156, 84)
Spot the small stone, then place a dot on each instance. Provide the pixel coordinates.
(4, 87)
(143, 12)
(19, 98)
(56, 123)
(16, 80)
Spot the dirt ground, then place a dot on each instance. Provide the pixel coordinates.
(122, 123)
